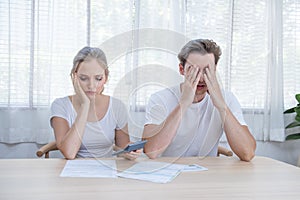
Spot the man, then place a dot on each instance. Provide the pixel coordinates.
(189, 119)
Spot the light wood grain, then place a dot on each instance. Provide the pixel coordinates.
(226, 178)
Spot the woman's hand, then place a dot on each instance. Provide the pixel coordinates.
(82, 97)
(132, 155)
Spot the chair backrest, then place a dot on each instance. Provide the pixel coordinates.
(224, 151)
(44, 150)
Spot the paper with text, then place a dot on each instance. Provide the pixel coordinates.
(158, 172)
(90, 168)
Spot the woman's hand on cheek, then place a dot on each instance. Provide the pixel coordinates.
(83, 99)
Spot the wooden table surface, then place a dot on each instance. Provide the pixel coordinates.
(226, 178)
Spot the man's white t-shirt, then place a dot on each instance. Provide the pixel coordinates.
(98, 137)
(201, 126)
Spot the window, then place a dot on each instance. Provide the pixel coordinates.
(39, 38)
(38, 42)
(291, 51)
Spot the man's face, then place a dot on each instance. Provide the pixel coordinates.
(200, 61)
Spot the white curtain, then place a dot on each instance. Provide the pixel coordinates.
(38, 39)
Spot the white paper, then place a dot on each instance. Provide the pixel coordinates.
(158, 172)
(90, 168)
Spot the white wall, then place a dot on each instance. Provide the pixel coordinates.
(288, 151)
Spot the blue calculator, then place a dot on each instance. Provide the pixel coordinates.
(131, 147)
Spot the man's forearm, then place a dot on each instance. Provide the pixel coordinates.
(239, 137)
(160, 136)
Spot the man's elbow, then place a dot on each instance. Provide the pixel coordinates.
(247, 156)
(248, 152)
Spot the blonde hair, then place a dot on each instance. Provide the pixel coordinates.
(88, 53)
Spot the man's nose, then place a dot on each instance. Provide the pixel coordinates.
(201, 73)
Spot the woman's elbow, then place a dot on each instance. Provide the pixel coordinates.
(70, 157)
(67, 154)
(152, 154)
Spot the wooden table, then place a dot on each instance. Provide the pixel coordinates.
(226, 178)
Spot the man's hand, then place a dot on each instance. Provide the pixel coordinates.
(213, 86)
(188, 88)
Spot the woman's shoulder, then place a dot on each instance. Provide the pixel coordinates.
(116, 104)
(63, 100)
(62, 103)
(114, 99)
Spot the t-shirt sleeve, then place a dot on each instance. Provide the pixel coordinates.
(236, 109)
(120, 113)
(156, 112)
(59, 109)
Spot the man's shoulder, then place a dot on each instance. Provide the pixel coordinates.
(228, 95)
(231, 99)
(170, 92)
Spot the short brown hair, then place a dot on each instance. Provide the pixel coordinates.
(202, 46)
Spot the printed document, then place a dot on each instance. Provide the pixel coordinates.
(90, 168)
(158, 172)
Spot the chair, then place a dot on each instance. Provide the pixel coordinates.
(44, 150)
(51, 146)
(224, 151)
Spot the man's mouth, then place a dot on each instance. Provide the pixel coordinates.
(201, 86)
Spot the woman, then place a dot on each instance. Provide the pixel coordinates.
(89, 123)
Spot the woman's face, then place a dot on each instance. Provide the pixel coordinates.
(91, 76)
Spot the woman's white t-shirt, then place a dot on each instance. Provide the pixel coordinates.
(98, 137)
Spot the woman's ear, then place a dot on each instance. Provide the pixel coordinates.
(106, 78)
(73, 77)
(181, 69)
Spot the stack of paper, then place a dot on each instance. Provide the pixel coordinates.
(158, 172)
(90, 168)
